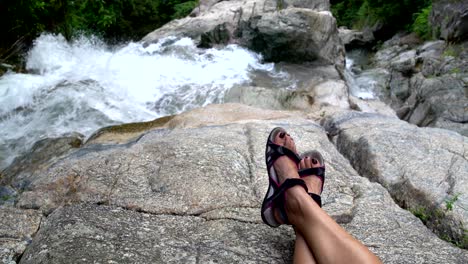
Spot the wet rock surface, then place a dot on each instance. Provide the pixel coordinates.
(295, 31)
(44, 153)
(424, 169)
(192, 192)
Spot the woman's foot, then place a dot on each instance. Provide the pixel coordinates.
(284, 166)
(287, 168)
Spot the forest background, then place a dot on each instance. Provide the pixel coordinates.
(115, 21)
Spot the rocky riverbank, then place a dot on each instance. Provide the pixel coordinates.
(428, 83)
(188, 188)
(191, 190)
(425, 83)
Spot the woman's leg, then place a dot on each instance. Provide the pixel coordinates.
(328, 241)
(302, 253)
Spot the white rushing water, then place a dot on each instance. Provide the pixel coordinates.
(85, 85)
(364, 81)
(359, 86)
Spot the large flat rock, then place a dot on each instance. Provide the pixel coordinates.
(424, 169)
(102, 234)
(194, 193)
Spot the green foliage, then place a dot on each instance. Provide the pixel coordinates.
(421, 213)
(279, 5)
(421, 25)
(435, 216)
(393, 14)
(366, 16)
(449, 202)
(425, 214)
(24, 20)
(346, 11)
(5, 198)
(449, 52)
(183, 9)
(463, 243)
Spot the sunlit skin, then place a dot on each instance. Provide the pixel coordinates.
(319, 239)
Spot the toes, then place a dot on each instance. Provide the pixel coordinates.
(290, 143)
(305, 163)
(308, 162)
(302, 164)
(314, 163)
(284, 139)
(280, 138)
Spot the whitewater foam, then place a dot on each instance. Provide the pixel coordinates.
(83, 85)
(360, 86)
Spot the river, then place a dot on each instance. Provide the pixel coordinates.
(83, 85)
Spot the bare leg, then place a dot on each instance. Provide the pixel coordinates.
(328, 241)
(302, 253)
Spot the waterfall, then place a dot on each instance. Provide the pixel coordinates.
(363, 80)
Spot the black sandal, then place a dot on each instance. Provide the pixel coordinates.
(318, 171)
(274, 198)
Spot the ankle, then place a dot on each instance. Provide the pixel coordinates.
(294, 202)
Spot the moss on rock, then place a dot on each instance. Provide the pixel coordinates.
(126, 132)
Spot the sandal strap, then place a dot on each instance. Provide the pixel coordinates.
(317, 198)
(277, 151)
(288, 183)
(319, 171)
(279, 196)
